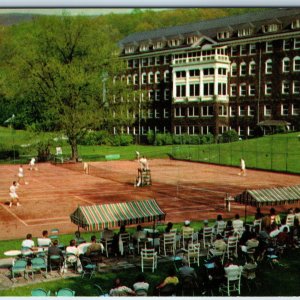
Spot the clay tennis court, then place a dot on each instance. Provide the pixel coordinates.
(184, 190)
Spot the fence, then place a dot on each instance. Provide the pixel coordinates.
(269, 153)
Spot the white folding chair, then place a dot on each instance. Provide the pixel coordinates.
(233, 275)
(148, 259)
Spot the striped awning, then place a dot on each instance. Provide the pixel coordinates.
(271, 196)
(96, 217)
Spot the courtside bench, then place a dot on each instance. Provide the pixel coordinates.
(112, 156)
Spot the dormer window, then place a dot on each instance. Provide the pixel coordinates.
(174, 42)
(159, 45)
(129, 49)
(192, 39)
(270, 28)
(144, 47)
(245, 32)
(296, 24)
(223, 35)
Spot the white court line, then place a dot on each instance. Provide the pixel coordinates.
(48, 219)
(44, 224)
(13, 214)
(84, 200)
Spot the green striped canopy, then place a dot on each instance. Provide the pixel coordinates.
(96, 217)
(272, 196)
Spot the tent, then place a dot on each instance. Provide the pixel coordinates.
(96, 217)
(270, 196)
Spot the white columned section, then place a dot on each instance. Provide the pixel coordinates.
(174, 83)
(215, 81)
(187, 83)
(201, 82)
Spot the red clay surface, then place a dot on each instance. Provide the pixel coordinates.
(184, 190)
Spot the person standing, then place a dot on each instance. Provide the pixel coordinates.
(21, 175)
(32, 164)
(13, 194)
(242, 167)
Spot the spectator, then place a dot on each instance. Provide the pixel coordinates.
(228, 229)
(140, 286)
(237, 222)
(219, 244)
(107, 234)
(94, 247)
(274, 218)
(120, 290)
(54, 250)
(187, 271)
(247, 234)
(139, 234)
(169, 227)
(219, 222)
(297, 213)
(274, 231)
(258, 214)
(28, 242)
(72, 249)
(168, 286)
(44, 241)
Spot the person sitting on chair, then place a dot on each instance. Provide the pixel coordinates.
(28, 243)
(54, 250)
(44, 241)
(120, 290)
(140, 286)
(168, 286)
(187, 271)
(94, 247)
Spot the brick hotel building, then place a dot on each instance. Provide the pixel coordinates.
(215, 75)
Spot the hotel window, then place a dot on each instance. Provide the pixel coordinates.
(296, 87)
(267, 110)
(243, 50)
(151, 61)
(269, 47)
(144, 78)
(222, 89)
(297, 43)
(167, 59)
(157, 77)
(233, 90)
(241, 111)
(178, 112)
(286, 65)
(232, 111)
(151, 95)
(252, 48)
(150, 77)
(135, 79)
(158, 45)
(157, 95)
(270, 28)
(207, 111)
(129, 50)
(287, 44)
(295, 109)
(167, 76)
(252, 68)
(174, 42)
(192, 39)
(251, 89)
(285, 88)
(233, 69)
(223, 35)
(180, 91)
(250, 131)
(156, 114)
(208, 71)
(268, 88)
(284, 109)
(144, 62)
(177, 129)
(243, 90)
(192, 130)
(222, 71)
(166, 113)
(251, 110)
(268, 66)
(245, 32)
(243, 69)
(180, 74)
(129, 79)
(194, 90)
(144, 47)
(135, 63)
(166, 94)
(193, 111)
(129, 63)
(234, 51)
(223, 111)
(208, 89)
(150, 113)
(296, 24)
(296, 64)
(157, 60)
(194, 73)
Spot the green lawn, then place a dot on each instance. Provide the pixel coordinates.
(277, 152)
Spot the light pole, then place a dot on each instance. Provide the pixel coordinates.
(10, 121)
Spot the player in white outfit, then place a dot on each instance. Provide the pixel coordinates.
(243, 167)
(13, 194)
(32, 164)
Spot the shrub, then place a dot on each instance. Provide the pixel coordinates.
(9, 153)
(121, 140)
(150, 137)
(229, 136)
(43, 149)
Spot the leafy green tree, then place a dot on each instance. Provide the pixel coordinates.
(64, 74)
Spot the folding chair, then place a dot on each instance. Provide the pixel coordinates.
(65, 292)
(193, 254)
(148, 259)
(37, 264)
(19, 266)
(168, 244)
(232, 246)
(40, 293)
(233, 284)
(207, 236)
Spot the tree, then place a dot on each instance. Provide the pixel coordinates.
(64, 74)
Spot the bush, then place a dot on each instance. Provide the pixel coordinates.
(229, 136)
(43, 149)
(122, 140)
(150, 137)
(9, 153)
